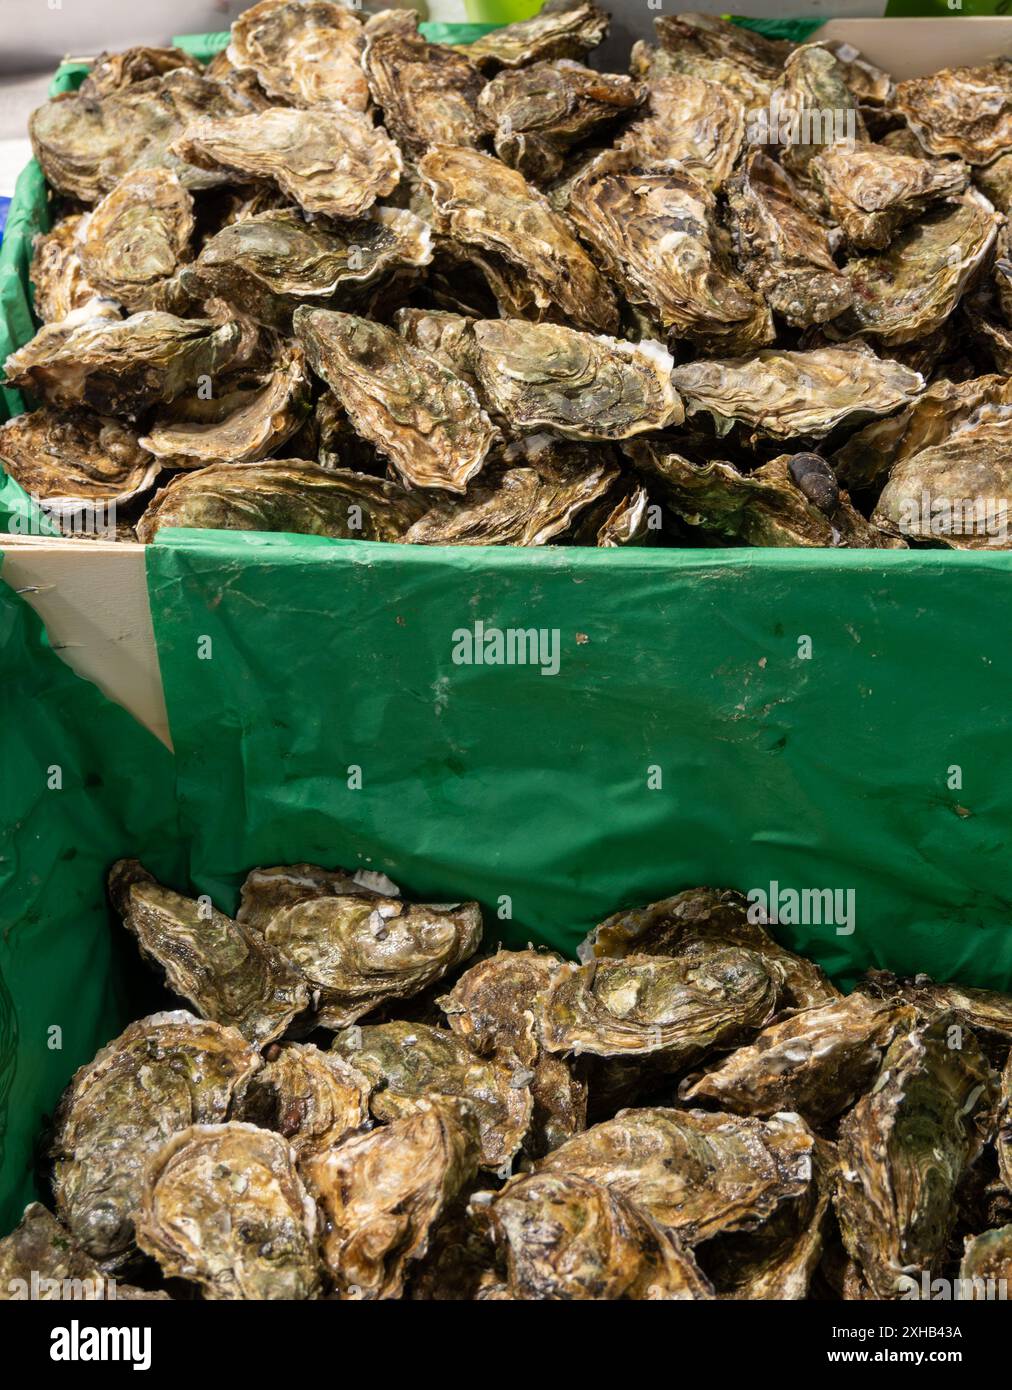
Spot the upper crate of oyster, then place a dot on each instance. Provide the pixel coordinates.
(348, 282)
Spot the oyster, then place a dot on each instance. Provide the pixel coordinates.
(784, 394)
(739, 60)
(428, 93)
(496, 1006)
(119, 367)
(224, 1207)
(110, 71)
(382, 1193)
(313, 1098)
(540, 376)
(699, 920)
(449, 337)
(817, 1062)
(60, 285)
(335, 162)
(266, 891)
(71, 460)
(691, 122)
(39, 1260)
(536, 114)
(528, 496)
(409, 1062)
(655, 230)
(816, 109)
(873, 190)
(569, 33)
(161, 1075)
(986, 1268)
(283, 495)
(359, 952)
(995, 182)
(539, 268)
(1004, 1138)
(269, 264)
(783, 250)
(137, 236)
(564, 1237)
(903, 1150)
(222, 968)
(642, 1005)
(308, 54)
(624, 516)
(910, 289)
(249, 418)
(961, 111)
(421, 415)
(986, 1012)
(87, 144)
(458, 1264)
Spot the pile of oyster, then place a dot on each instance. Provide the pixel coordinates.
(347, 282)
(358, 1103)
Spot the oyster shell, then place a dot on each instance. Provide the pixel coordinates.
(110, 71)
(564, 1237)
(783, 250)
(903, 1150)
(691, 122)
(382, 1193)
(417, 412)
(313, 1099)
(910, 289)
(536, 114)
(60, 285)
(642, 1005)
(335, 162)
(266, 891)
(986, 1268)
(995, 182)
(700, 920)
(224, 1207)
(359, 952)
(873, 190)
(283, 495)
(159, 1076)
(739, 60)
(540, 270)
(269, 264)
(71, 460)
(428, 93)
(654, 228)
(528, 496)
(39, 1260)
(820, 109)
(222, 968)
(449, 337)
(409, 1062)
(625, 516)
(1003, 1141)
(986, 1012)
(250, 418)
(961, 111)
(137, 236)
(570, 33)
(87, 144)
(784, 394)
(119, 367)
(817, 1062)
(308, 54)
(540, 376)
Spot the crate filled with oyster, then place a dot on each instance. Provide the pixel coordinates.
(345, 281)
(352, 1096)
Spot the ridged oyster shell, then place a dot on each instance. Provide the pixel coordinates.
(308, 54)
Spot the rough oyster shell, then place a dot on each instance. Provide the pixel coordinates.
(986, 1012)
(159, 1076)
(482, 204)
(224, 1207)
(783, 250)
(449, 337)
(819, 107)
(1003, 1141)
(655, 230)
(265, 891)
(119, 367)
(689, 121)
(873, 190)
(428, 93)
(536, 114)
(72, 460)
(110, 71)
(903, 1150)
(417, 412)
(987, 1265)
(540, 376)
(564, 1237)
(785, 394)
(409, 1062)
(359, 952)
(136, 237)
(39, 1260)
(382, 1193)
(60, 285)
(995, 182)
(308, 54)
(570, 33)
(740, 60)
(962, 111)
(221, 967)
(283, 495)
(313, 1099)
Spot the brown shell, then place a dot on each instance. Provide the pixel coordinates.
(961, 111)
(313, 1098)
(137, 236)
(58, 280)
(267, 890)
(689, 121)
(72, 459)
(563, 33)
(873, 190)
(308, 54)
